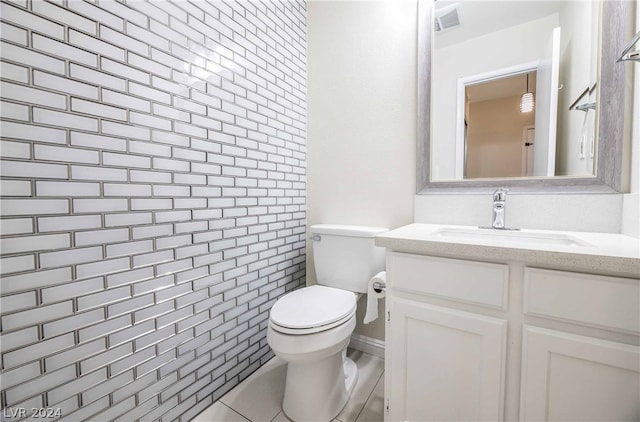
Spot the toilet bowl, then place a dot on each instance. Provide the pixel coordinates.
(310, 328)
(315, 350)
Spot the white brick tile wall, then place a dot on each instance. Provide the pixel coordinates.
(21, 17)
(98, 173)
(93, 44)
(88, 107)
(98, 78)
(153, 199)
(40, 385)
(63, 50)
(103, 267)
(29, 57)
(37, 351)
(59, 83)
(66, 325)
(14, 72)
(96, 14)
(123, 71)
(66, 154)
(14, 111)
(118, 38)
(97, 141)
(57, 395)
(23, 93)
(64, 16)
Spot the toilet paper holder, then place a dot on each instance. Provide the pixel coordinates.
(379, 286)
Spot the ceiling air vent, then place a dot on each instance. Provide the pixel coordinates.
(447, 17)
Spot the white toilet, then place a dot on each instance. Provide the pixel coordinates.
(310, 327)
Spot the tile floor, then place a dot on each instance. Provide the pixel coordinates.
(259, 397)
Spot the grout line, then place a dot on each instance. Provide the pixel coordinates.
(234, 411)
(369, 396)
(284, 416)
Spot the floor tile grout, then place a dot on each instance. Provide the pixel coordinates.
(369, 396)
(235, 411)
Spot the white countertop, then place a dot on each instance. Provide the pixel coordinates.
(600, 253)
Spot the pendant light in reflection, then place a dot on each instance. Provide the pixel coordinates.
(527, 101)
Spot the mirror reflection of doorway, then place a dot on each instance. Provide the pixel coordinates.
(494, 134)
(494, 107)
(528, 139)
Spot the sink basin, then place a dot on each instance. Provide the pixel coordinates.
(509, 236)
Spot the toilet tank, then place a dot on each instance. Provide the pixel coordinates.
(346, 257)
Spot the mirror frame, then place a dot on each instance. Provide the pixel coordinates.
(614, 103)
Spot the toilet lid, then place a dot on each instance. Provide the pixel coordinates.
(312, 306)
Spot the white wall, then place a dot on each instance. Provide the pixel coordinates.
(593, 213)
(362, 117)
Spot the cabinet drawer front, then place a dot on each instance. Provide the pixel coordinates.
(594, 300)
(465, 281)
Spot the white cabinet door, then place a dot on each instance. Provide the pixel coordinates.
(567, 377)
(443, 364)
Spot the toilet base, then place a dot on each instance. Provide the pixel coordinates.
(311, 392)
(350, 377)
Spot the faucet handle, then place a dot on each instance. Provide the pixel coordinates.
(500, 194)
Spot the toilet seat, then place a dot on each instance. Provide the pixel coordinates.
(312, 309)
(310, 330)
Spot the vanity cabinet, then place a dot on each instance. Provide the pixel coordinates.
(450, 363)
(446, 363)
(478, 340)
(566, 376)
(572, 377)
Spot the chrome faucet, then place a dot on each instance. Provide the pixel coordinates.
(499, 199)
